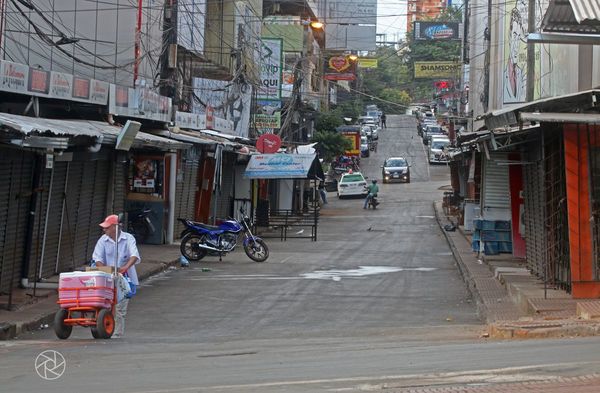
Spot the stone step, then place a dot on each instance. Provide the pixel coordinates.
(588, 310)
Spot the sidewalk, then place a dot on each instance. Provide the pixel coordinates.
(512, 301)
(30, 313)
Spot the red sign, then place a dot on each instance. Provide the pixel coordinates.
(268, 143)
(339, 68)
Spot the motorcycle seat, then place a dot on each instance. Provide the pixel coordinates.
(206, 226)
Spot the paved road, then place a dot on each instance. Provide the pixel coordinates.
(376, 302)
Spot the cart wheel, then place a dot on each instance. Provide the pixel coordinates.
(105, 324)
(62, 330)
(95, 333)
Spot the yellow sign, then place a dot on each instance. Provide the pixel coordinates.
(367, 63)
(436, 69)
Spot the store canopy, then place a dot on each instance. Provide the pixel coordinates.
(566, 108)
(284, 166)
(96, 131)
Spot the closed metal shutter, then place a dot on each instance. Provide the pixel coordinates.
(534, 216)
(16, 176)
(48, 224)
(495, 190)
(87, 186)
(225, 197)
(186, 187)
(120, 166)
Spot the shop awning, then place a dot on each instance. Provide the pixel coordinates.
(96, 131)
(284, 166)
(567, 105)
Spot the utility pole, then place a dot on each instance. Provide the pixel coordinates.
(530, 89)
(168, 58)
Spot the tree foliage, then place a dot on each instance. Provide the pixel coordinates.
(331, 144)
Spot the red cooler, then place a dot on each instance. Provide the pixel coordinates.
(85, 289)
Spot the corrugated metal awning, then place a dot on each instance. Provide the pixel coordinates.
(554, 117)
(579, 102)
(97, 131)
(572, 16)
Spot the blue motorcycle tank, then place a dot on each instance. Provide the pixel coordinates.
(230, 226)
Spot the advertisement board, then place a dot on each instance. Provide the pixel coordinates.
(436, 69)
(367, 63)
(270, 69)
(267, 123)
(444, 31)
(339, 68)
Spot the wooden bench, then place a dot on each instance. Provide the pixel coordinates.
(287, 224)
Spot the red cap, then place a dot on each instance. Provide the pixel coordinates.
(113, 219)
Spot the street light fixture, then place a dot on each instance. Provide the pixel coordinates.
(353, 57)
(315, 24)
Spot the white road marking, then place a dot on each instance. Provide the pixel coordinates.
(424, 216)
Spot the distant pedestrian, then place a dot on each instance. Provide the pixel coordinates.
(323, 192)
(383, 118)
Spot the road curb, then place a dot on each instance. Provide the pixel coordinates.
(10, 330)
(462, 268)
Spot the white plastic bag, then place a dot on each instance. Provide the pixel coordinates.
(123, 288)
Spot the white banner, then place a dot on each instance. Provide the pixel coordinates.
(139, 103)
(270, 69)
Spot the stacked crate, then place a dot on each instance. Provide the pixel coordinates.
(492, 237)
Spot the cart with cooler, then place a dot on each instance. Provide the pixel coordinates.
(86, 299)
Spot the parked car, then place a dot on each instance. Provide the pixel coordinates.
(364, 146)
(395, 169)
(366, 119)
(430, 130)
(351, 183)
(437, 149)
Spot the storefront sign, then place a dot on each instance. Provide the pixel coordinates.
(187, 120)
(267, 123)
(22, 79)
(279, 166)
(139, 103)
(436, 69)
(270, 69)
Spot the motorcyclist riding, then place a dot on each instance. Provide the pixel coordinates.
(373, 189)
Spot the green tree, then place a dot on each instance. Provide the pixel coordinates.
(328, 121)
(331, 144)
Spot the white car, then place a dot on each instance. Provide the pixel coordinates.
(437, 149)
(351, 183)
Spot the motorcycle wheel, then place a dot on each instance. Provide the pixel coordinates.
(190, 247)
(257, 250)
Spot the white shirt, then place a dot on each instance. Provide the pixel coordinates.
(105, 253)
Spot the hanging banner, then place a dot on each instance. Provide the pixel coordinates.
(279, 166)
(267, 123)
(270, 69)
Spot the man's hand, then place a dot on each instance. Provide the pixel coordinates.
(123, 270)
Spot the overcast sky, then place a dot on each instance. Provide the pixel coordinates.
(395, 24)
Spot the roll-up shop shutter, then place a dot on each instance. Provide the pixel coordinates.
(16, 176)
(534, 214)
(225, 197)
(186, 187)
(119, 183)
(495, 193)
(45, 249)
(85, 208)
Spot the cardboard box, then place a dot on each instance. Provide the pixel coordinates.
(106, 269)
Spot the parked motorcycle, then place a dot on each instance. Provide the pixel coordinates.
(199, 239)
(140, 225)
